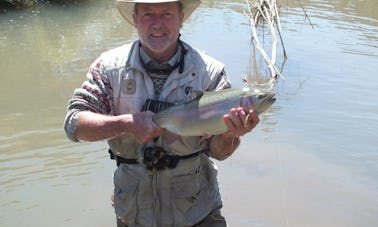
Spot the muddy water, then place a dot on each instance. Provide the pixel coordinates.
(313, 160)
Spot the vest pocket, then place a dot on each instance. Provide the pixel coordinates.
(190, 198)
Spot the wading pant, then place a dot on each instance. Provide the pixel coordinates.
(215, 219)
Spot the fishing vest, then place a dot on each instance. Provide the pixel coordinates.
(132, 86)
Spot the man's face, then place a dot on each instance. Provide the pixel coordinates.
(158, 27)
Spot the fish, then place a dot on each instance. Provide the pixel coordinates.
(204, 114)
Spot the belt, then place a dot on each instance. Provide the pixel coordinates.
(120, 160)
(170, 161)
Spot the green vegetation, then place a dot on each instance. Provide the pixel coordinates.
(4, 4)
(22, 4)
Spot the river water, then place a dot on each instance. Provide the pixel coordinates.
(312, 161)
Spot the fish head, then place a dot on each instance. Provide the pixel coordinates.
(258, 101)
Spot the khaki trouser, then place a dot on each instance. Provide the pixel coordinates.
(215, 219)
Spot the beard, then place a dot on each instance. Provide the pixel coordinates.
(159, 43)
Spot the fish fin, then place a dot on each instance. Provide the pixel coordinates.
(170, 137)
(205, 138)
(248, 118)
(195, 95)
(198, 94)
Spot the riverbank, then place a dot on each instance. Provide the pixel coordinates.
(16, 4)
(6, 5)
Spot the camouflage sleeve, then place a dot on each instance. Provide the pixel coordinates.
(222, 81)
(95, 95)
(219, 81)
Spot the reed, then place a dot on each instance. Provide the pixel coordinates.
(265, 26)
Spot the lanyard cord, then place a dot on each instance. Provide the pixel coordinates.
(165, 68)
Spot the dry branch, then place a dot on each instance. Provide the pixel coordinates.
(263, 15)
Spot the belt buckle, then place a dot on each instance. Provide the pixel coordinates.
(156, 158)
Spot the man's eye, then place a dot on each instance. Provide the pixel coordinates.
(167, 14)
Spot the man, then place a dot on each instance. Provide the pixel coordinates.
(161, 180)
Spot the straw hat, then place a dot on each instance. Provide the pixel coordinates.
(126, 7)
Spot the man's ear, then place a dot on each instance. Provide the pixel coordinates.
(134, 19)
(181, 18)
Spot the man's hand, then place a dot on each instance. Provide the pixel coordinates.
(143, 128)
(238, 123)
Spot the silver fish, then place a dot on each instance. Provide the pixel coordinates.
(204, 115)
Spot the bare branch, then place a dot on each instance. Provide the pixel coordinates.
(264, 14)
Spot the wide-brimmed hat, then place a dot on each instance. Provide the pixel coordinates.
(126, 7)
